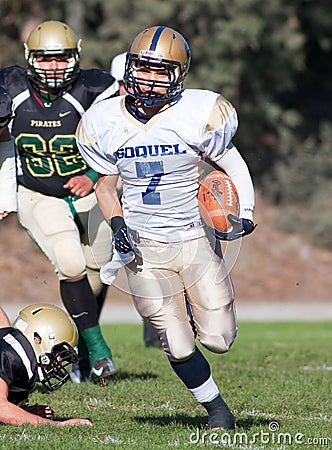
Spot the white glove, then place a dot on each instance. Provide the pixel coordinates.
(109, 271)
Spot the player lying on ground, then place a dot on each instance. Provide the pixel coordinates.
(37, 348)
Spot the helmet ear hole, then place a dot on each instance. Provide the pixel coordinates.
(37, 339)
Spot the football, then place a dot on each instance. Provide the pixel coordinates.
(218, 197)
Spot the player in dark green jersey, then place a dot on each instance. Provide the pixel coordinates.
(56, 199)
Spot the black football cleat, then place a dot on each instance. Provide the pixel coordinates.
(220, 416)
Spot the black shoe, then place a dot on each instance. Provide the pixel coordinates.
(103, 368)
(220, 416)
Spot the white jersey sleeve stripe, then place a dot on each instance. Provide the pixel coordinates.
(17, 101)
(20, 98)
(75, 103)
(20, 351)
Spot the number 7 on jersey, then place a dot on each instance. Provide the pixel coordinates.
(155, 170)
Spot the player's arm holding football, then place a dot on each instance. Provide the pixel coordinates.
(218, 147)
(236, 168)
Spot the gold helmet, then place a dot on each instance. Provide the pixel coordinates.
(160, 47)
(53, 336)
(52, 38)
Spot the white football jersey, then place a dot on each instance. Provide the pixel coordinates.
(159, 161)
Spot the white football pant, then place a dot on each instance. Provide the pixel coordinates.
(158, 281)
(50, 223)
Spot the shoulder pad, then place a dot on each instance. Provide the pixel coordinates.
(96, 79)
(14, 79)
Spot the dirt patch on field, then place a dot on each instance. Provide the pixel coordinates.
(268, 266)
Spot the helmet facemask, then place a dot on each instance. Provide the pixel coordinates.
(151, 97)
(52, 367)
(53, 79)
(52, 39)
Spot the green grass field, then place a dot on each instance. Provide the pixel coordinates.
(277, 378)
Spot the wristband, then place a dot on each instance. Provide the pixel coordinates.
(93, 175)
(116, 223)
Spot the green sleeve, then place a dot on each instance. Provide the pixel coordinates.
(93, 175)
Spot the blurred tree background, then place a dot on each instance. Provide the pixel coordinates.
(272, 59)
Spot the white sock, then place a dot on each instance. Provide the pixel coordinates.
(206, 391)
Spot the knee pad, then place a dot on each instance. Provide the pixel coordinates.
(69, 258)
(217, 328)
(218, 343)
(175, 331)
(178, 343)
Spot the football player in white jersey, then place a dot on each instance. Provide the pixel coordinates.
(118, 64)
(155, 138)
(8, 201)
